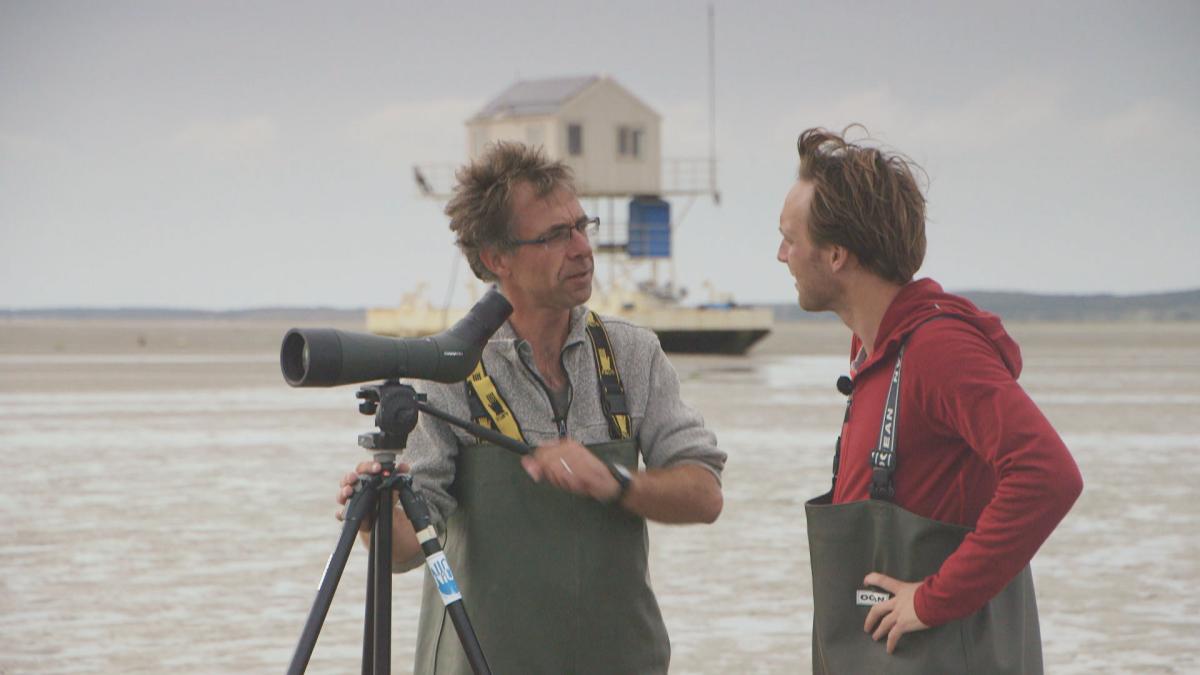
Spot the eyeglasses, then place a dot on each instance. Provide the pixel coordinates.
(561, 234)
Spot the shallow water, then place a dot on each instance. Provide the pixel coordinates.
(169, 507)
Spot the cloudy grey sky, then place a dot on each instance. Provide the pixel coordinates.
(241, 154)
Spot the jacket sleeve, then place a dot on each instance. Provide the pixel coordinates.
(671, 432)
(966, 386)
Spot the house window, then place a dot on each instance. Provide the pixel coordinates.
(629, 142)
(574, 140)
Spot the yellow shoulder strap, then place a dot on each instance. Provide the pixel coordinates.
(612, 392)
(495, 411)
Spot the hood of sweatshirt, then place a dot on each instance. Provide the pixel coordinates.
(922, 300)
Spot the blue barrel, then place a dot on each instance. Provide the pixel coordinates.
(649, 228)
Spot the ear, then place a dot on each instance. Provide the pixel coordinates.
(838, 258)
(497, 263)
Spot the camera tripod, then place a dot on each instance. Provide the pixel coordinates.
(395, 407)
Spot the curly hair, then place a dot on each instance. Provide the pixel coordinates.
(480, 209)
(866, 200)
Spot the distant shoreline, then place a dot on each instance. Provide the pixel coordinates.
(185, 314)
(1012, 306)
(1170, 306)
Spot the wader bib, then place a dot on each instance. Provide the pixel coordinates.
(553, 582)
(848, 541)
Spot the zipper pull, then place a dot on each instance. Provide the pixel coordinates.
(562, 427)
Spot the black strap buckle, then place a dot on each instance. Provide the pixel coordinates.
(614, 395)
(881, 484)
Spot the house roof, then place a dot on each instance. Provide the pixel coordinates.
(535, 97)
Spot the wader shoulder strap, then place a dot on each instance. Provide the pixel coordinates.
(883, 457)
(612, 393)
(488, 407)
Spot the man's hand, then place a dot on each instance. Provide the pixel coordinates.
(896, 616)
(569, 466)
(346, 490)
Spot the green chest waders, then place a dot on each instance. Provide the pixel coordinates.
(555, 583)
(848, 541)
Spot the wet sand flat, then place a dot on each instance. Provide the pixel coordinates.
(168, 501)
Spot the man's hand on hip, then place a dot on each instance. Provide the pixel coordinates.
(896, 616)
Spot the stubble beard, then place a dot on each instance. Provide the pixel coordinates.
(581, 295)
(816, 297)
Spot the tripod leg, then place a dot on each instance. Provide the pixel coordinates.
(382, 571)
(361, 505)
(466, 635)
(368, 642)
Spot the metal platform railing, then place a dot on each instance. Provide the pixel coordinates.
(681, 176)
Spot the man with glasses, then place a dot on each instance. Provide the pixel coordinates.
(550, 550)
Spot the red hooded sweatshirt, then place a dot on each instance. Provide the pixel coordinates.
(972, 448)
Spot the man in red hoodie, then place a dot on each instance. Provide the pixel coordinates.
(958, 442)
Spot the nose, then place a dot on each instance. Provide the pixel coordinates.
(579, 245)
(781, 254)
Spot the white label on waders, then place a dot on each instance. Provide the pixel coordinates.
(865, 597)
(447, 586)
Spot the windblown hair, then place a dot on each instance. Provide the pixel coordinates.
(866, 200)
(480, 210)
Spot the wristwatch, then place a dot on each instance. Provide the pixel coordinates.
(623, 477)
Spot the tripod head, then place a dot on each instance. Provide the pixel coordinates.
(394, 406)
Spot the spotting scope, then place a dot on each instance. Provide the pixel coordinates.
(324, 357)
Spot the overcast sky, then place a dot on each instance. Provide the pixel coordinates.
(244, 154)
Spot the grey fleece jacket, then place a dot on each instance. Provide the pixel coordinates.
(667, 431)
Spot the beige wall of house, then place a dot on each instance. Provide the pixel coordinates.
(617, 148)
